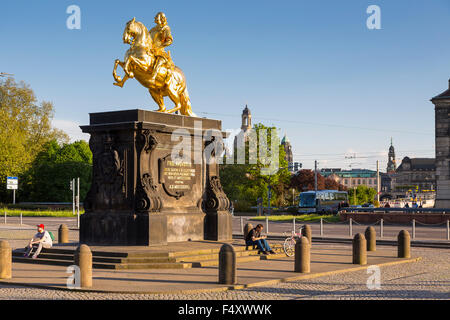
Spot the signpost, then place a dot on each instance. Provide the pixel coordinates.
(75, 187)
(72, 188)
(78, 203)
(12, 183)
(269, 197)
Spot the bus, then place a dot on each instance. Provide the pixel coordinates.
(323, 201)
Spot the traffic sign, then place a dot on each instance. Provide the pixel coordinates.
(12, 183)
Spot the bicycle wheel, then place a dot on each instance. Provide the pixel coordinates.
(289, 246)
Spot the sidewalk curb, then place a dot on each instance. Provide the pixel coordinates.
(217, 289)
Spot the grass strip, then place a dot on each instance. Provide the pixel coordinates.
(301, 218)
(37, 213)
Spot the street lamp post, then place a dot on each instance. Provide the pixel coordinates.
(315, 176)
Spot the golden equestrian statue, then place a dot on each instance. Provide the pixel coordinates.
(147, 61)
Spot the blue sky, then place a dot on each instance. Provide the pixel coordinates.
(311, 68)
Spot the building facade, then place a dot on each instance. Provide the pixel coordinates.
(352, 178)
(289, 156)
(442, 135)
(415, 173)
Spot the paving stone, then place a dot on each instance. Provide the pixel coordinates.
(426, 279)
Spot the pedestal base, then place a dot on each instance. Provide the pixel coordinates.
(139, 195)
(442, 204)
(218, 226)
(126, 229)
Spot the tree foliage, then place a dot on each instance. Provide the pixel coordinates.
(245, 183)
(52, 170)
(364, 194)
(303, 180)
(25, 127)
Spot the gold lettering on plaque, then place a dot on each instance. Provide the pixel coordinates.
(178, 176)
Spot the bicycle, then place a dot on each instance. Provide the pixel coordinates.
(289, 242)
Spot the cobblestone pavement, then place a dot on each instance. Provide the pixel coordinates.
(426, 279)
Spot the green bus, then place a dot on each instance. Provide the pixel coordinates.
(323, 201)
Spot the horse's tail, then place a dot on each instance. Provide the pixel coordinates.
(185, 101)
(186, 108)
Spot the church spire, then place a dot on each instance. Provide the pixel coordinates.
(391, 166)
(246, 119)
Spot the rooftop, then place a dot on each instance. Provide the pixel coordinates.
(353, 173)
(443, 95)
(285, 140)
(418, 164)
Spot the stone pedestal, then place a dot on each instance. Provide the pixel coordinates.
(139, 194)
(442, 128)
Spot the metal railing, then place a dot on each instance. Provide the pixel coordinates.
(6, 215)
(386, 210)
(351, 222)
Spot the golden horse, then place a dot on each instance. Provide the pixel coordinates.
(138, 62)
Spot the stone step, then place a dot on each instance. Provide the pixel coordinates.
(213, 256)
(170, 265)
(274, 256)
(215, 262)
(45, 255)
(148, 260)
(143, 260)
(40, 260)
(252, 256)
(56, 262)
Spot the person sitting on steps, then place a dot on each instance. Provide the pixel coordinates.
(41, 239)
(254, 237)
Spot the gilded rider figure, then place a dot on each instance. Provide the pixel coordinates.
(147, 61)
(161, 37)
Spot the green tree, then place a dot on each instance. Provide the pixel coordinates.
(49, 176)
(364, 195)
(25, 127)
(244, 183)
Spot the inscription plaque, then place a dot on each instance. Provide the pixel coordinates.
(177, 178)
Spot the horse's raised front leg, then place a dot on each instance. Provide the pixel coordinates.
(126, 67)
(119, 81)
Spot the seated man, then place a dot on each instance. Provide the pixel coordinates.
(254, 237)
(41, 239)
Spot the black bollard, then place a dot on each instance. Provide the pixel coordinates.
(306, 232)
(359, 249)
(371, 238)
(302, 256)
(404, 244)
(5, 260)
(246, 230)
(227, 265)
(63, 234)
(83, 259)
